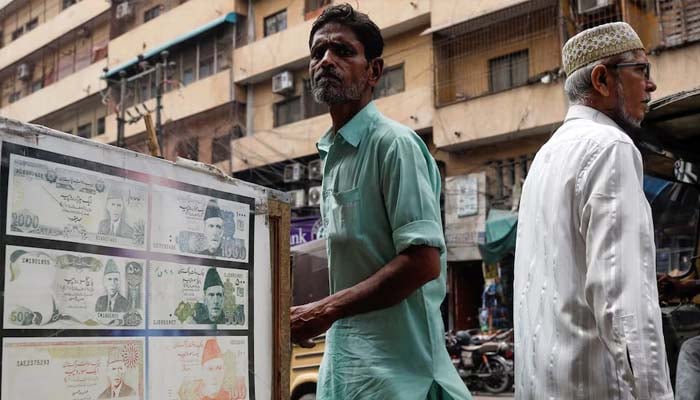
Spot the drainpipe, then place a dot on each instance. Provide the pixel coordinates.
(249, 125)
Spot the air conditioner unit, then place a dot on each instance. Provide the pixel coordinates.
(315, 168)
(587, 6)
(298, 198)
(314, 197)
(283, 83)
(292, 172)
(123, 10)
(23, 72)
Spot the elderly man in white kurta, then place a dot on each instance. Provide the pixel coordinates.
(587, 319)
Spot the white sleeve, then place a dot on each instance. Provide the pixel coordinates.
(616, 224)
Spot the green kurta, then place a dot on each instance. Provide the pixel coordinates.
(381, 191)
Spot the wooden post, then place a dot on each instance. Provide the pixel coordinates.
(153, 145)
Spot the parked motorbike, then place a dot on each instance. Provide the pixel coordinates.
(479, 363)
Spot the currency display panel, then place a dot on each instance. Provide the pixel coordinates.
(129, 277)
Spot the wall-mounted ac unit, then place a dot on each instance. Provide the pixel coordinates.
(283, 83)
(293, 172)
(587, 6)
(298, 198)
(315, 168)
(314, 197)
(23, 72)
(124, 10)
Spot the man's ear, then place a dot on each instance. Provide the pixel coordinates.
(376, 68)
(600, 79)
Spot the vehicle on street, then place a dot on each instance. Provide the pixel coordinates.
(479, 363)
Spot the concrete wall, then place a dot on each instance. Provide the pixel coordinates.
(194, 98)
(180, 20)
(45, 33)
(448, 12)
(69, 90)
(260, 59)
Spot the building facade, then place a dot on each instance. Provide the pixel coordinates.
(480, 81)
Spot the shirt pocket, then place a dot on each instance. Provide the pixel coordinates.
(345, 214)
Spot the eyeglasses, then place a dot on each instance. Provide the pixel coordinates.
(646, 67)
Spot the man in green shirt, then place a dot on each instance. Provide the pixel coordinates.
(386, 251)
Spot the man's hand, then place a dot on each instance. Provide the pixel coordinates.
(674, 287)
(308, 321)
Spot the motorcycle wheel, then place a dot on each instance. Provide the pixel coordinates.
(499, 381)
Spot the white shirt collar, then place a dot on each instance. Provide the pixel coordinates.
(589, 113)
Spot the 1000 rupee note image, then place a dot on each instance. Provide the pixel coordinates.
(195, 297)
(52, 289)
(193, 224)
(54, 201)
(72, 368)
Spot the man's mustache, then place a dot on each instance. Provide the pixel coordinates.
(327, 73)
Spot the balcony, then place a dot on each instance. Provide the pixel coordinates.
(444, 14)
(194, 98)
(68, 90)
(167, 27)
(290, 49)
(530, 109)
(73, 17)
(299, 138)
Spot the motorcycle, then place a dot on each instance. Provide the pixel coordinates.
(479, 363)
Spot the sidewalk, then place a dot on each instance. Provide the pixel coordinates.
(488, 396)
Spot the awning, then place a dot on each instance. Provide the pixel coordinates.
(228, 18)
(501, 231)
(653, 187)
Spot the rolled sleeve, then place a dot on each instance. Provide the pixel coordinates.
(411, 187)
(419, 233)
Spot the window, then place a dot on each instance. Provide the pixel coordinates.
(276, 23)
(14, 97)
(187, 76)
(188, 148)
(17, 33)
(311, 107)
(101, 125)
(313, 5)
(223, 50)
(392, 82)
(508, 71)
(85, 130)
(68, 3)
(287, 111)
(37, 85)
(151, 13)
(221, 149)
(206, 58)
(31, 24)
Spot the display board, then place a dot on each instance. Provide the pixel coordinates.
(127, 276)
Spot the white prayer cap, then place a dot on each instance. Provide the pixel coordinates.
(597, 43)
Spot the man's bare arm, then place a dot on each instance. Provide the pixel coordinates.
(394, 282)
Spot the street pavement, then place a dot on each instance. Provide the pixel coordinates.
(488, 396)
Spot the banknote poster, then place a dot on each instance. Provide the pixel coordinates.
(54, 201)
(198, 368)
(197, 297)
(52, 289)
(193, 224)
(73, 368)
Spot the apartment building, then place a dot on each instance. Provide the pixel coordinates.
(479, 80)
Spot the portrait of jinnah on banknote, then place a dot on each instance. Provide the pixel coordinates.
(211, 386)
(115, 223)
(112, 300)
(213, 229)
(212, 310)
(116, 388)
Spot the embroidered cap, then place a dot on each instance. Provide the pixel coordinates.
(599, 42)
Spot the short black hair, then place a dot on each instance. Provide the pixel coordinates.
(367, 32)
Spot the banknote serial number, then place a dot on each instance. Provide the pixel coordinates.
(32, 363)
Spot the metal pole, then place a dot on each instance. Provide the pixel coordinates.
(159, 97)
(122, 109)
